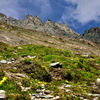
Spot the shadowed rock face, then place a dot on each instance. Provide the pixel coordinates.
(3, 17)
(93, 34)
(35, 23)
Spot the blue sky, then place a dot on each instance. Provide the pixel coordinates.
(80, 15)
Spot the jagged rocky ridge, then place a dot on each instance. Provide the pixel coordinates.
(93, 34)
(35, 23)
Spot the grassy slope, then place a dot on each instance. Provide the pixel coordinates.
(78, 71)
(17, 36)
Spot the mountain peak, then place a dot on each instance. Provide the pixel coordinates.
(35, 23)
(2, 15)
(37, 17)
(29, 18)
(49, 22)
(93, 34)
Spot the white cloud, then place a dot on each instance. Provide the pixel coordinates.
(10, 7)
(83, 11)
(44, 6)
(14, 9)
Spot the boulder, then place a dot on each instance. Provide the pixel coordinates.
(46, 96)
(56, 65)
(67, 86)
(98, 82)
(31, 57)
(47, 91)
(85, 56)
(21, 75)
(20, 48)
(9, 62)
(2, 94)
(12, 59)
(3, 61)
(56, 98)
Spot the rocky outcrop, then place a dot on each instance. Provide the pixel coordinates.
(2, 94)
(69, 31)
(3, 17)
(35, 23)
(93, 34)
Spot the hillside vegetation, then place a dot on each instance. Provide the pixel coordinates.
(29, 66)
(38, 65)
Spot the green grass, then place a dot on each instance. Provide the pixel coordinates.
(78, 67)
(78, 70)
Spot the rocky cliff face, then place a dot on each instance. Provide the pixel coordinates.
(35, 23)
(93, 34)
(3, 17)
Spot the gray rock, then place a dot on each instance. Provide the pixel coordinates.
(9, 62)
(31, 57)
(12, 59)
(93, 34)
(95, 95)
(66, 86)
(56, 65)
(81, 98)
(96, 98)
(46, 96)
(47, 91)
(38, 91)
(56, 98)
(3, 17)
(85, 56)
(21, 75)
(34, 94)
(3, 61)
(33, 97)
(2, 94)
(20, 48)
(67, 90)
(98, 82)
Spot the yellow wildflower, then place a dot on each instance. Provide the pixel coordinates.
(3, 80)
(42, 83)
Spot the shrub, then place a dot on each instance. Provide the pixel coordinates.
(1, 74)
(25, 82)
(67, 76)
(38, 72)
(50, 57)
(27, 61)
(13, 70)
(67, 53)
